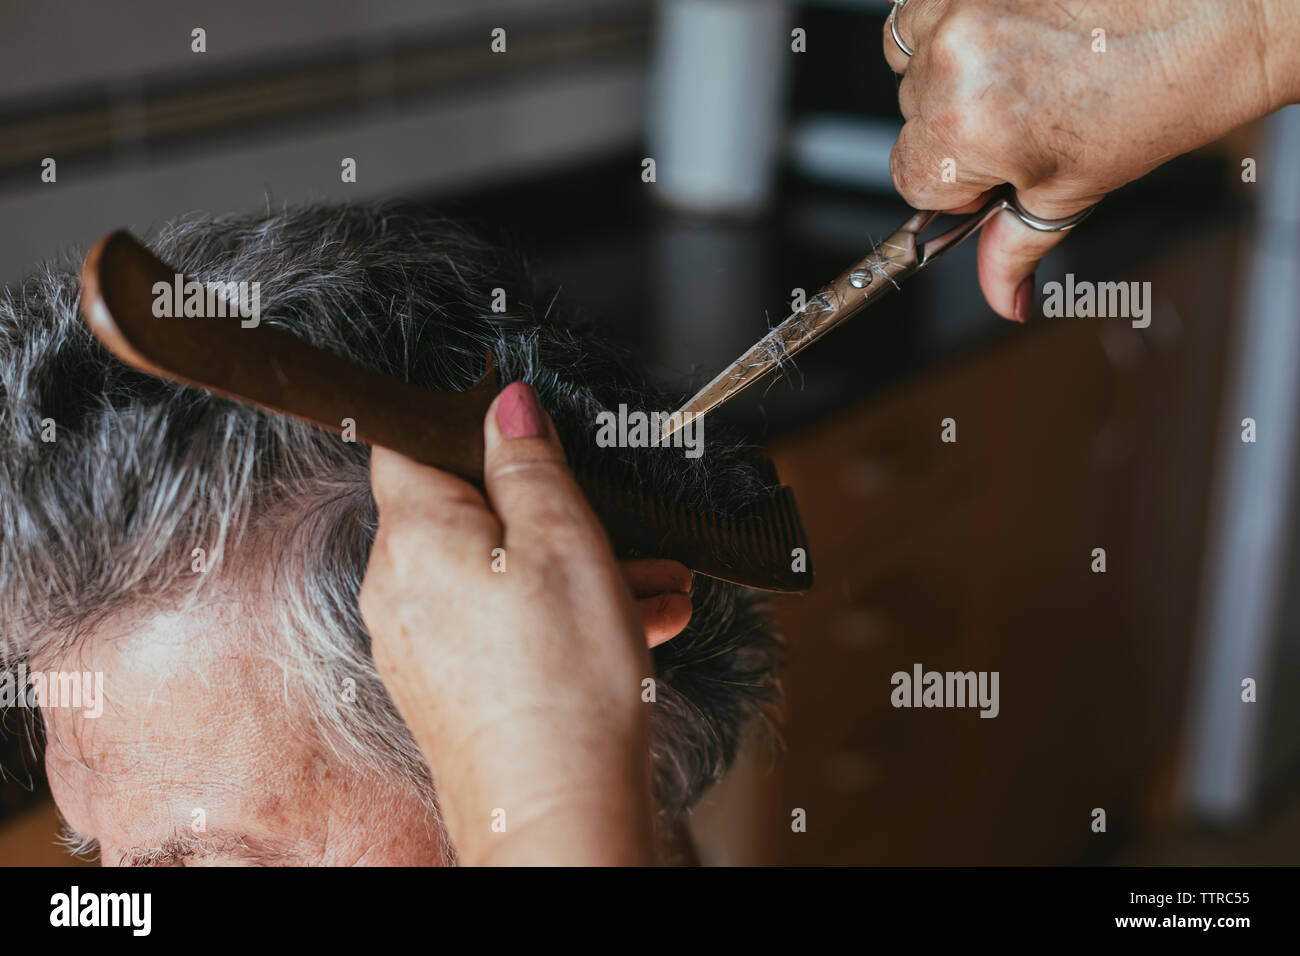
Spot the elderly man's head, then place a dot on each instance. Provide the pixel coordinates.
(205, 557)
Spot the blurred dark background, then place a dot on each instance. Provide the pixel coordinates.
(770, 125)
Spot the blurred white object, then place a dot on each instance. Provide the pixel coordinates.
(1236, 750)
(718, 89)
(847, 151)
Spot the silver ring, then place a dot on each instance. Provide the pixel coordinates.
(893, 27)
(1041, 224)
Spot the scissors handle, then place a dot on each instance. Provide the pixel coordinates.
(1003, 198)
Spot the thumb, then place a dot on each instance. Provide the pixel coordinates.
(1009, 253)
(527, 479)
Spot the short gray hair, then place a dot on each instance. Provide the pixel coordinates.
(105, 519)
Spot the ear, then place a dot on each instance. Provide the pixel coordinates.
(662, 591)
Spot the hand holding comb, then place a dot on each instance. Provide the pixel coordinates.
(270, 368)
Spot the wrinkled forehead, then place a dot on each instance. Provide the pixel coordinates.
(191, 704)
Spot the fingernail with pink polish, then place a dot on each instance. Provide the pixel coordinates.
(1025, 299)
(519, 415)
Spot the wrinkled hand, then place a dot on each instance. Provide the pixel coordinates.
(1020, 92)
(522, 686)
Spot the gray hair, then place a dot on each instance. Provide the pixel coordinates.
(105, 519)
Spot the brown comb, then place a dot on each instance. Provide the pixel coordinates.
(267, 367)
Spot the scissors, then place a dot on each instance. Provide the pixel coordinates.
(890, 262)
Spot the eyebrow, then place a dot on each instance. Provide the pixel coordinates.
(178, 845)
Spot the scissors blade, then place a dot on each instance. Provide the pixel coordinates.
(765, 356)
(857, 287)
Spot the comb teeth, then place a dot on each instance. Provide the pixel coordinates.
(754, 548)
